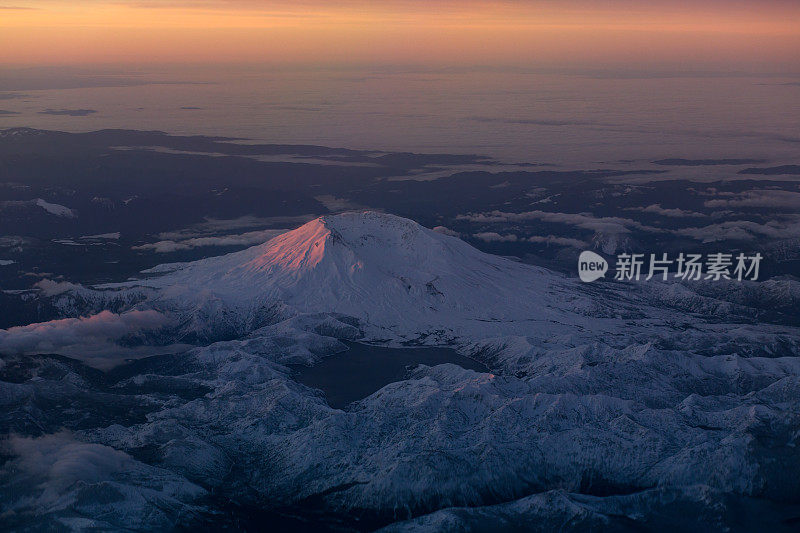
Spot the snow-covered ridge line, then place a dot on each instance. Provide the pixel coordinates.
(592, 390)
(400, 282)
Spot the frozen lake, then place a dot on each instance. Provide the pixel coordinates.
(355, 374)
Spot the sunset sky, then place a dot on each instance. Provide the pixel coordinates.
(759, 36)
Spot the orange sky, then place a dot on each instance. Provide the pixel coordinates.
(726, 34)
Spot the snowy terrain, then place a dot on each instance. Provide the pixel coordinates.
(608, 405)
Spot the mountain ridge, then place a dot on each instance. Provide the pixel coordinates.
(382, 269)
(591, 390)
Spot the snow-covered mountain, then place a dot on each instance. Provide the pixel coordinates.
(396, 277)
(382, 278)
(606, 405)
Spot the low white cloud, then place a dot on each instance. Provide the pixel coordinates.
(561, 241)
(215, 232)
(49, 287)
(490, 236)
(59, 461)
(446, 231)
(90, 339)
(774, 198)
(214, 226)
(335, 205)
(56, 472)
(656, 209)
(742, 230)
(114, 236)
(606, 225)
(244, 239)
(54, 209)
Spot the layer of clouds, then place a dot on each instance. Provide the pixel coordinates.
(743, 230)
(337, 205)
(606, 225)
(446, 231)
(656, 209)
(490, 236)
(59, 461)
(60, 475)
(773, 198)
(102, 236)
(561, 241)
(91, 339)
(214, 232)
(214, 226)
(68, 112)
(555, 122)
(244, 239)
(54, 209)
(49, 287)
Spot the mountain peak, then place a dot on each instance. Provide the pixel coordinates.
(351, 239)
(365, 228)
(382, 269)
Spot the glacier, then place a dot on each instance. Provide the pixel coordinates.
(607, 405)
